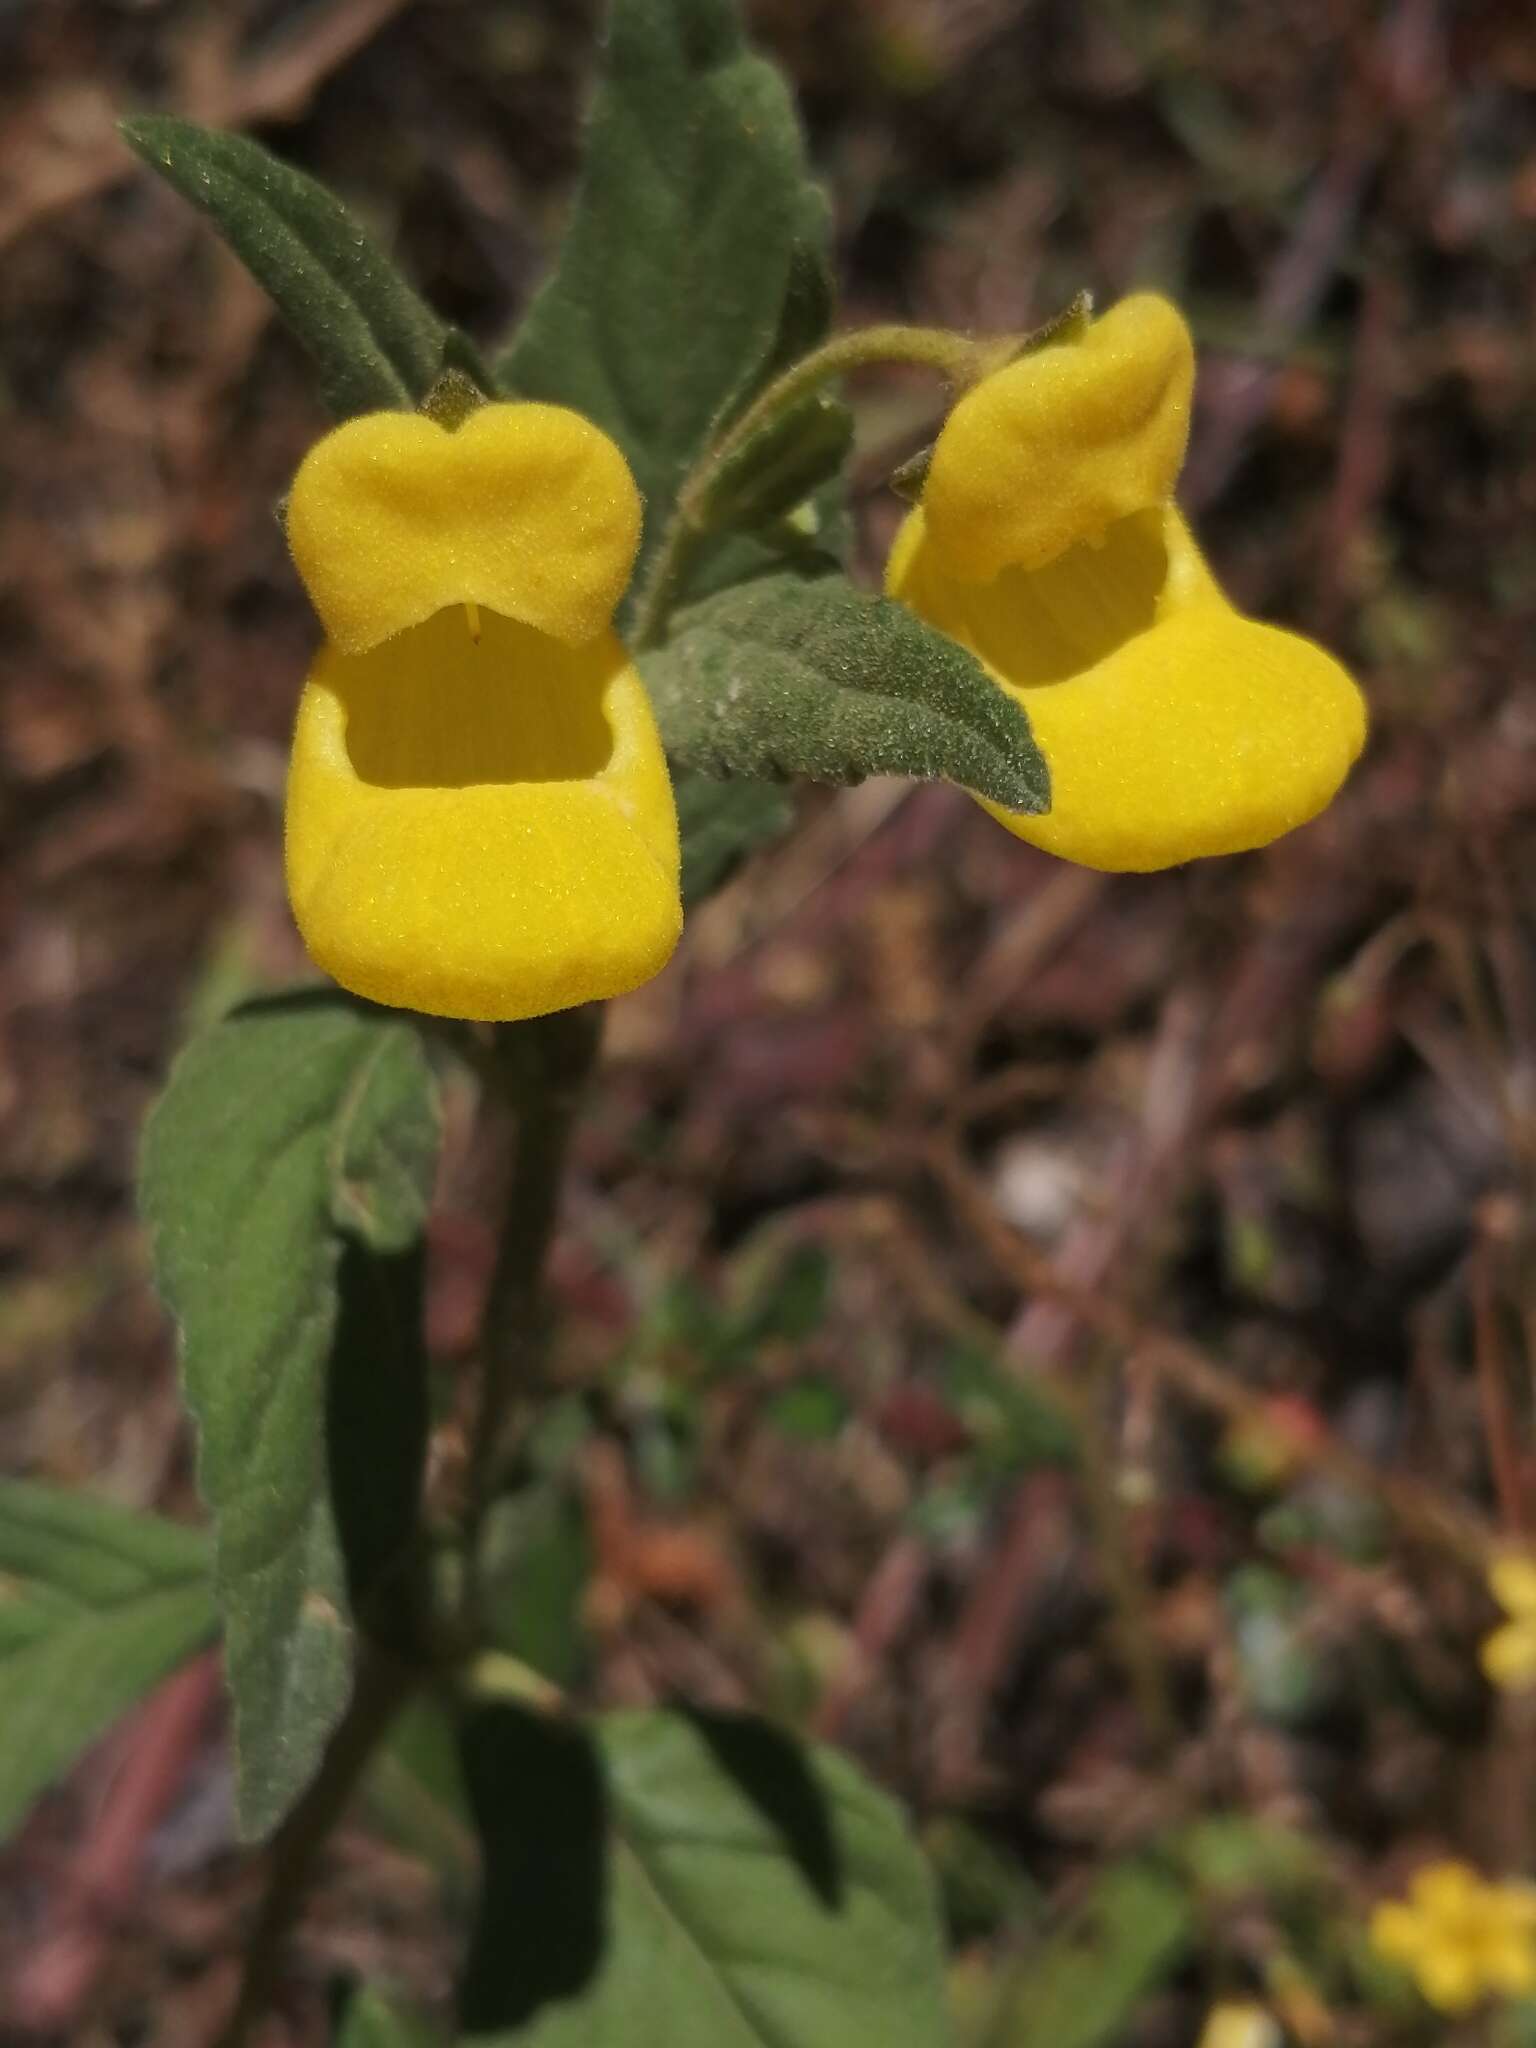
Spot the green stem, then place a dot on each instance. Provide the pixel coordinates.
(956, 357)
(544, 1066)
(664, 584)
(382, 1687)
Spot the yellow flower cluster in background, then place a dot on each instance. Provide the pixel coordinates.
(1048, 543)
(1461, 1938)
(480, 820)
(1239, 2023)
(1509, 1655)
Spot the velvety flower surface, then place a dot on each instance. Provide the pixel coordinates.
(1049, 544)
(480, 821)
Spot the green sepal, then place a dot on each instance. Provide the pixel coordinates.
(452, 399)
(461, 354)
(1070, 324)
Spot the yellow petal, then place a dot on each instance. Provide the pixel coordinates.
(1173, 727)
(1396, 1931)
(1448, 1890)
(526, 510)
(1517, 1903)
(482, 829)
(1057, 446)
(1508, 1656)
(1509, 1962)
(1449, 1978)
(1512, 1581)
(1513, 1973)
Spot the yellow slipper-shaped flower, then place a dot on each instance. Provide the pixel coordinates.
(1048, 543)
(480, 821)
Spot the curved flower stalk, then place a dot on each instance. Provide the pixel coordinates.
(480, 821)
(1048, 543)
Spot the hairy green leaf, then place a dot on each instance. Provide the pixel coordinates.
(97, 1605)
(695, 260)
(375, 341)
(791, 677)
(692, 1881)
(285, 1179)
(722, 824)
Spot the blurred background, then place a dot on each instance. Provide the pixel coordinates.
(1064, 1338)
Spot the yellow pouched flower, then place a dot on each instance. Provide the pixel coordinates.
(1461, 1938)
(480, 820)
(1048, 543)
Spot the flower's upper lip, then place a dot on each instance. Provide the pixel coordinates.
(1055, 447)
(527, 510)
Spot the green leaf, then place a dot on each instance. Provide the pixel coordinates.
(695, 255)
(97, 1605)
(376, 343)
(787, 677)
(413, 1794)
(1080, 1989)
(722, 824)
(285, 1180)
(374, 2021)
(535, 1567)
(692, 1881)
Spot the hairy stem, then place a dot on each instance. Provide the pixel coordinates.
(543, 1066)
(956, 357)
